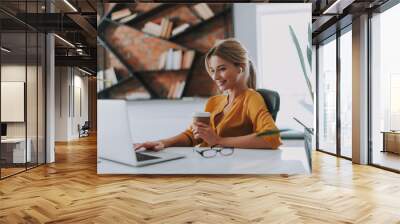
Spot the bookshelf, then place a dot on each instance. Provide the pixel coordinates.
(198, 26)
(144, 66)
(106, 92)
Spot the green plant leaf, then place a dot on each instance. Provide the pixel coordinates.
(309, 35)
(309, 56)
(301, 57)
(272, 132)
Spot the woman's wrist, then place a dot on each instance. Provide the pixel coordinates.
(165, 143)
(220, 141)
(225, 142)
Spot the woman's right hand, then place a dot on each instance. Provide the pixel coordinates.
(152, 145)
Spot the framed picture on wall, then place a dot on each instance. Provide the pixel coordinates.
(12, 101)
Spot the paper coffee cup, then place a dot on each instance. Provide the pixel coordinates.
(203, 117)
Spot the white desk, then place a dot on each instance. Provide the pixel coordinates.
(19, 149)
(286, 160)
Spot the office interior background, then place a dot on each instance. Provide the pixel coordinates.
(48, 76)
(39, 108)
(336, 90)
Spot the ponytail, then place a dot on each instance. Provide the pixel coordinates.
(252, 79)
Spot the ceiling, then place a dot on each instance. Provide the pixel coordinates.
(72, 20)
(331, 15)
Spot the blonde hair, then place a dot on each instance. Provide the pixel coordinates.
(233, 51)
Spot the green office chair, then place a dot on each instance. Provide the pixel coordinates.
(272, 100)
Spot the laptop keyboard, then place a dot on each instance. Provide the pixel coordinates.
(143, 157)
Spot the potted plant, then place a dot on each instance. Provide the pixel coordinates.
(308, 132)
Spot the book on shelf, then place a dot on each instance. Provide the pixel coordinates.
(169, 61)
(166, 28)
(120, 14)
(163, 25)
(169, 30)
(203, 10)
(105, 79)
(179, 29)
(152, 28)
(176, 59)
(179, 89)
(128, 18)
(110, 78)
(187, 60)
(137, 96)
(100, 81)
(172, 90)
(175, 90)
(163, 30)
(163, 59)
(207, 10)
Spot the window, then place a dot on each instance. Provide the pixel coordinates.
(22, 77)
(346, 93)
(327, 95)
(385, 89)
(335, 74)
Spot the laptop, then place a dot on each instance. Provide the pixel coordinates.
(311, 130)
(114, 141)
(308, 132)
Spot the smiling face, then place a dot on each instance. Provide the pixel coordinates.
(225, 74)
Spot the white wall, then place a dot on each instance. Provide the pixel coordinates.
(79, 117)
(70, 84)
(244, 14)
(16, 72)
(157, 119)
(33, 126)
(265, 32)
(12, 101)
(12, 73)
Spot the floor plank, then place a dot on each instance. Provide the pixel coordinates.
(70, 191)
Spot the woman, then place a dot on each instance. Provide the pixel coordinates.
(237, 116)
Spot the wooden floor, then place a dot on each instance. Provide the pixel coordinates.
(70, 191)
(5, 172)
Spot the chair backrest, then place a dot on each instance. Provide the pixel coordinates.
(86, 125)
(272, 100)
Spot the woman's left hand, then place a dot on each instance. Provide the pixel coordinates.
(205, 132)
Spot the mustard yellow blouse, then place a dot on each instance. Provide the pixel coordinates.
(248, 114)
